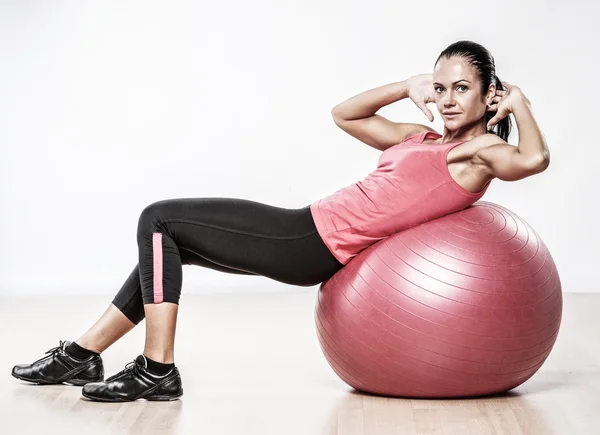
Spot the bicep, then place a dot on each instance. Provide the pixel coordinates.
(505, 162)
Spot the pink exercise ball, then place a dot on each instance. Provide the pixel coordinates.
(466, 305)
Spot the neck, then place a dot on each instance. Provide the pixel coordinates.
(463, 134)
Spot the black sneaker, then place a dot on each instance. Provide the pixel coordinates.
(136, 382)
(60, 367)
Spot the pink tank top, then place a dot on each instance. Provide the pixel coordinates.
(411, 185)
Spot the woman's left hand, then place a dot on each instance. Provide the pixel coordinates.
(503, 102)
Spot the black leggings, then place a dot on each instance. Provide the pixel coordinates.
(227, 234)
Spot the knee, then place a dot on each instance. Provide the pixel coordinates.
(151, 218)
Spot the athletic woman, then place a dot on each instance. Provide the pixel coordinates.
(421, 175)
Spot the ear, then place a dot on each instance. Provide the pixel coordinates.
(491, 93)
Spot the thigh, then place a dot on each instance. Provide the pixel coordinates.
(248, 236)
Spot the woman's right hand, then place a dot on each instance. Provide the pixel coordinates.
(421, 92)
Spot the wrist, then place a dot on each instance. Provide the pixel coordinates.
(520, 103)
(401, 89)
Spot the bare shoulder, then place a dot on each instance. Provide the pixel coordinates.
(488, 139)
(479, 145)
(410, 129)
(405, 130)
(416, 129)
(478, 150)
(423, 128)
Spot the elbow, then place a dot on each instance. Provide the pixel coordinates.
(542, 162)
(538, 164)
(337, 117)
(335, 112)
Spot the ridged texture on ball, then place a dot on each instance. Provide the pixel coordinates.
(465, 305)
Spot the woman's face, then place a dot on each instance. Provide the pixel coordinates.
(458, 90)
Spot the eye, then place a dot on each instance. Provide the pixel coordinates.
(463, 86)
(437, 88)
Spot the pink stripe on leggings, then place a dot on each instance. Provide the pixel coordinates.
(158, 267)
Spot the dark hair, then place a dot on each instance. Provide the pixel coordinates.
(483, 61)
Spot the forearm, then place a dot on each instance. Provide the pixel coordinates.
(531, 140)
(369, 102)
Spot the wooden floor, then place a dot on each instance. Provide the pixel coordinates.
(251, 364)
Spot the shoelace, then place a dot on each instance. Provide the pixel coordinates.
(131, 367)
(52, 351)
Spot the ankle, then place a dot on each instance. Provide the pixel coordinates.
(157, 367)
(163, 357)
(89, 345)
(79, 352)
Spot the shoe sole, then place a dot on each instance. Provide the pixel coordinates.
(74, 382)
(150, 398)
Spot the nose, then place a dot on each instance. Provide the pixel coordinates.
(449, 101)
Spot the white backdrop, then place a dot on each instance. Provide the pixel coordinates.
(107, 106)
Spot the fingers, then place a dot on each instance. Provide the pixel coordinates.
(496, 118)
(493, 105)
(492, 122)
(426, 111)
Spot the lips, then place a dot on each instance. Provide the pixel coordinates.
(451, 113)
